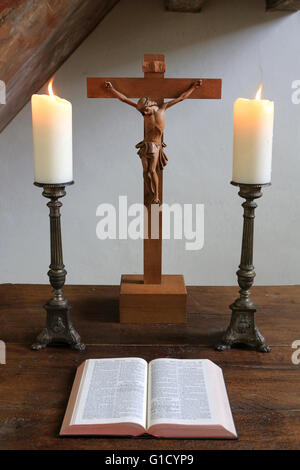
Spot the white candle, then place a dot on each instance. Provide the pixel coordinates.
(253, 138)
(52, 138)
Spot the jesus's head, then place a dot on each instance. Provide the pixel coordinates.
(146, 106)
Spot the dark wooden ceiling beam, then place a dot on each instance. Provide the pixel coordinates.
(191, 6)
(283, 5)
(196, 5)
(36, 37)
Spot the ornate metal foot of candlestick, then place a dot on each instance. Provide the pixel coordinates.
(59, 328)
(242, 328)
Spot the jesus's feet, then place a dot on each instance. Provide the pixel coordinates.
(155, 200)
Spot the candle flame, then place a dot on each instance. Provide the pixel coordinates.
(50, 89)
(258, 93)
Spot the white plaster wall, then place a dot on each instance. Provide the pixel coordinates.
(235, 40)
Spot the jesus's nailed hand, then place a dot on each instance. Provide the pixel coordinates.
(197, 83)
(108, 85)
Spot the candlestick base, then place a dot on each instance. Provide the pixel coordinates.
(59, 328)
(242, 329)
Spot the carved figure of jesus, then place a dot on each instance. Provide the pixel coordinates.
(151, 148)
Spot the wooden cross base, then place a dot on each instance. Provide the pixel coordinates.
(152, 303)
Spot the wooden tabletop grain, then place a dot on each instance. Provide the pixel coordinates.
(264, 389)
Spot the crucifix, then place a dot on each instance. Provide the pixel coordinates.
(153, 297)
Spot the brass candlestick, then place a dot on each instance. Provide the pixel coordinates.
(242, 328)
(59, 328)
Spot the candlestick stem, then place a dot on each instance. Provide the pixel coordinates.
(242, 328)
(59, 328)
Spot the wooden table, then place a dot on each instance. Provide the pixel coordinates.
(264, 389)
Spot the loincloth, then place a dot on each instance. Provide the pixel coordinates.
(149, 149)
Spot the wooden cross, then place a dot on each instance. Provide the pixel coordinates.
(156, 88)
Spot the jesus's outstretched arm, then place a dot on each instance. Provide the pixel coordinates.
(184, 95)
(120, 95)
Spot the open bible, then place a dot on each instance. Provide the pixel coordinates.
(165, 398)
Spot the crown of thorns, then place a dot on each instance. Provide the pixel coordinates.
(142, 102)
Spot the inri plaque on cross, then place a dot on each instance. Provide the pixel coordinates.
(153, 297)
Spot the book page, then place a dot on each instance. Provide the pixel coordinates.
(114, 391)
(179, 393)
